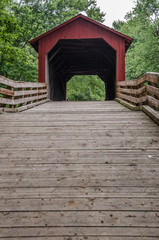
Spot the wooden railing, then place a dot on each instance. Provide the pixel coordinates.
(141, 94)
(18, 96)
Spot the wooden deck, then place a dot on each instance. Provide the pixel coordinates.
(79, 170)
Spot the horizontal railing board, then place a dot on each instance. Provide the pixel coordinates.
(132, 83)
(21, 100)
(29, 99)
(128, 105)
(5, 91)
(132, 91)
(6, 101)
(132, 99)
(23, 108)
(150, 77)
(152, 90)
(15, 84)
(151, 113)
(15, 93)
(143, 95)
(31, 105)
(152, 101)
(29, 92)
(7, 81)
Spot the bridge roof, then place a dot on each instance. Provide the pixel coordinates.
(34, 42)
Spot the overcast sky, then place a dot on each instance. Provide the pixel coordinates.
(115, 9)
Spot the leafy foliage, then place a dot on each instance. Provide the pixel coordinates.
(22, 20)
(143, 25)
(86, 88)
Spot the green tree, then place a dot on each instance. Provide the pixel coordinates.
(22, 20)
(117, 25)
(86, 88)
(15, 62)
(38, 16)
(143, 25)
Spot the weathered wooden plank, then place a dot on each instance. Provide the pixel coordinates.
(10, 110)
(29, 92)
(6, 92)
(152, 90)
(128, 105)
(30, 85)
(135, 82)
(79, 231)
(132, 91)
(152, 102)
(25, 107)
(60, 133)
(150, 77)
(124, 143)
(83, 156)
(79, 167)
(108, 181)
(6, 81)
(151, 113)
(112, 179)
(81, 107)
(59, 175)
(75, 124)
(58, 192)
(75, 115)
(20, 84)
(102, 115)
(76, 121)
(153, 77)
(130, 83)
(57, 118)
(51, 156)
(46, 128)
(79, 204)
(31, 105)
(80, 219)
(132, 99)
(67, 120)
(21, 100)
(87, 237)
(6, 101)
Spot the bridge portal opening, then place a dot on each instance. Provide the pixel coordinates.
(86, 88)
(70, 57)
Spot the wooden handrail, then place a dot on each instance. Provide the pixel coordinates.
(138, 91)
(149, 77)
(18, 96)
(141, 92)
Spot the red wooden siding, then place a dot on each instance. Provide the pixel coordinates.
(80, 28)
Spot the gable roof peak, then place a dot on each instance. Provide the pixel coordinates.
(34, 42)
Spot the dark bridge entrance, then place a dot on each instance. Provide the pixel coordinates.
(81, 46)
(81, 57)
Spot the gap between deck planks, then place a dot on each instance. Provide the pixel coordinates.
(79, 170)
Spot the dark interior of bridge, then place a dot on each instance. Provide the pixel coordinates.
(71, 57)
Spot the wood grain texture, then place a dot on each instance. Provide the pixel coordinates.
(151, 113)
(79, 170)
(139, 94)
(21, 95)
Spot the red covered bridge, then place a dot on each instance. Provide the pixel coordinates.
(81, 46)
